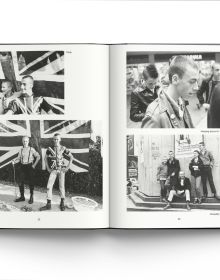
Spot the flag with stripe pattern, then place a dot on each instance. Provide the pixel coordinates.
(75, 136)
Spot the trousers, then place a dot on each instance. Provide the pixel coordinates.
(53, 175)
(207, 174)
(179, 194)
(196, 184)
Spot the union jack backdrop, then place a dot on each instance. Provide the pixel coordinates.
(47, 69)
(75, 136)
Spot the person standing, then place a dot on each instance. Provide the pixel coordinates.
(208, 163)
(207, 87)
(28, 158)
(162, 173)
(173, 165)
(56, 167)
(27, 103)
(141, 97)
(195, 167)
(169, 109)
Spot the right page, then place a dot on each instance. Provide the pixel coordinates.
(164, 136)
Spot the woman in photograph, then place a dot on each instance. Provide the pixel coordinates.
(195, 168)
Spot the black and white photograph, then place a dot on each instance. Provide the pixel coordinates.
(173, 89)
(31, 82)
(51, 165)
(175, 172)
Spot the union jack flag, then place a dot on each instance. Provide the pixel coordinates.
(47, 69)
(75, 136)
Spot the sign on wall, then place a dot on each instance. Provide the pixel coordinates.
(185, 144)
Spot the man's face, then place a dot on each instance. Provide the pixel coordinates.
(182, 174)
(27, 86)
(188, 84)
(171, 155)
(56, 140)
(6, 87)
(195, 154)
(216, 72)
(25, 141)
(201, 147)
(150, 83)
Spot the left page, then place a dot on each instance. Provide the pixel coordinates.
(54, 136)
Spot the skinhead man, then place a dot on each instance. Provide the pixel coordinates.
(27, 103)
(169, 109)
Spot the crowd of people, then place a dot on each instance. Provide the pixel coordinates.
(24, 101)
(164, 104)
(173, 181)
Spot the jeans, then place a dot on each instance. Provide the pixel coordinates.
(207, 174)
(51, 181)
(196, 183)
(163, 190)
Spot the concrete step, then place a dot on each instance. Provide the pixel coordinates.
(157, 205)
(176, 199)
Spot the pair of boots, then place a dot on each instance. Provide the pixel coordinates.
(48, 205)
(22, 197)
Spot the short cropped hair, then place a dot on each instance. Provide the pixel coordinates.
(57, 134)
(150, 71)
(28, 77)
(179, 65)
(202, 143)
(196, 151)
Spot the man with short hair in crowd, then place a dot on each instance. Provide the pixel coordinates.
(208, 163)
(169, 109)
(208, 85)
(181, 189)
(142, 96)
(27, 103)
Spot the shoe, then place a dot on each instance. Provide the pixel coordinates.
(164, 200)
(167, 206)
(187, 206)
(47, 206)
(199, 201)
(19, 199)
(31, 200)
(204, 198)
(195, 201)
(62, 206)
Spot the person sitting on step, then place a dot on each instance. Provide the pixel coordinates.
(181, 189)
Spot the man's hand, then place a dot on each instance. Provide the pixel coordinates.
(173, 174)
(206, 106)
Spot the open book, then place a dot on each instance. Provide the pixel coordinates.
(109, 136)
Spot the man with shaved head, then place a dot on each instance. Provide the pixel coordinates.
(169, 109)
(27, 103)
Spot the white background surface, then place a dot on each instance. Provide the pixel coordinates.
(112, 254)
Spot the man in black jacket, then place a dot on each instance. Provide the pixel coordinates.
(207, 87)
(173, 165)
(181, 189)
(214, 113)
(141, 97)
